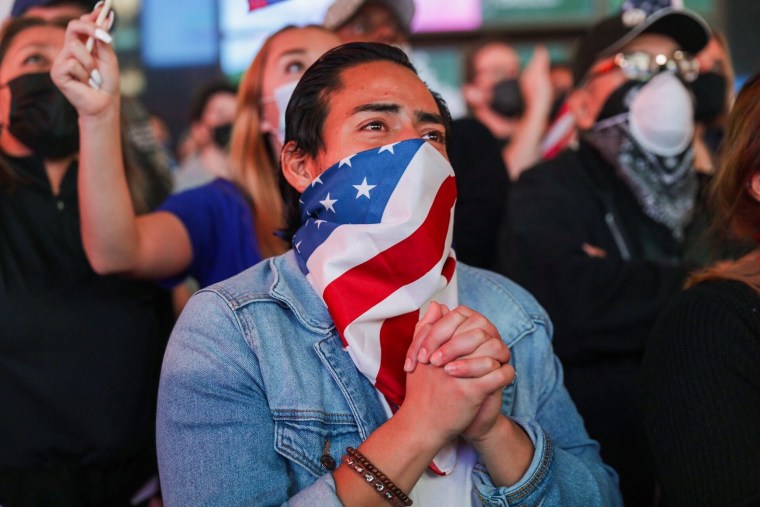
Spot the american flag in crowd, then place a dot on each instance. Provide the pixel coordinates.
(375, 244)
(650, 6)
(256, 4)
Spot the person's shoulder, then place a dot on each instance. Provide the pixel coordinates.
(252, 284)
(717, 294)
(559, 169)
(509, 306)
(707, 308)
(276, 280)
(469, 127)
(218, 193)
(218, 188)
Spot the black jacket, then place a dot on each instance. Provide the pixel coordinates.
(599, 305)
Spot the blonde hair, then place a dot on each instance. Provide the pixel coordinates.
(254, 164)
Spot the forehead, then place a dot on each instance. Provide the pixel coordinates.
(380, 82)
(654, 43)
(711, 53)
(496, 55)
(223, 101)
(301, 40)
(56, 11)
(49, 38)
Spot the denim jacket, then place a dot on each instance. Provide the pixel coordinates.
(255, 382)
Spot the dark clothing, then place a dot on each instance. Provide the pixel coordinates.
(79, 353)
(482, 188)
(701, 396)
(602, 306)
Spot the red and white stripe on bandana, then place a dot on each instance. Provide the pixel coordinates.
(257, 4)
(375, 244)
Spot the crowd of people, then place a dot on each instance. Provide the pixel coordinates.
(390, 306)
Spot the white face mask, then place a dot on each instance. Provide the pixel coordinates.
(280, 97)
(661, 116)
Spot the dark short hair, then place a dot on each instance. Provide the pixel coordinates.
(308, 107)
(204, 95)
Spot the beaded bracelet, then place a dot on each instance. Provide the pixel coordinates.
(374, 477)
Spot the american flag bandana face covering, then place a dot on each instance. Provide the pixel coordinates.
(375, 244)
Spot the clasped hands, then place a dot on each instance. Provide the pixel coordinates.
(457, 367)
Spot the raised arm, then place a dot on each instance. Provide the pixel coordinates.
(156, 245)
(524, 150)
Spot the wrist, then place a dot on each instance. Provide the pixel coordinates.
(106, 116)
(500, 431)
(428, 439)
(506, 450)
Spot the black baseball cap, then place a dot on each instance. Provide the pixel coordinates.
(605, 38)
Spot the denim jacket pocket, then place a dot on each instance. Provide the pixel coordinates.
(305, 440)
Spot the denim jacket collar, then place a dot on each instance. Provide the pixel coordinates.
(291, 287)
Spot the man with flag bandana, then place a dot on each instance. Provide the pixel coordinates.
(369, 334)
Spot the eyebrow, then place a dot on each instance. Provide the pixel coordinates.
(426, 117)
(290, 52)
(377, 108)
(419, 115)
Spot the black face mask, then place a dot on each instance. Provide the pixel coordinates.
(41, 117)
(507, 98)
(222, 134)
(710, 96)
(619, 100)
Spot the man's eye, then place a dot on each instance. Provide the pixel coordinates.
(374, 126)
(435, 136)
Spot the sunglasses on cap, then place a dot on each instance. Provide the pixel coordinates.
(642, 66)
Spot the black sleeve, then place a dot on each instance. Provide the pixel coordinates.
(551, 215)
(701, 397)
(482, 185)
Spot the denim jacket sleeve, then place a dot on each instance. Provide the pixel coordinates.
(214, 425)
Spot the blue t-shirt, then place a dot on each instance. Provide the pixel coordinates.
(219, 220)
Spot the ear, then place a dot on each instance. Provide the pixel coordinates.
(298, 168)
(580, 103)
(754, 186)
(472, 95)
